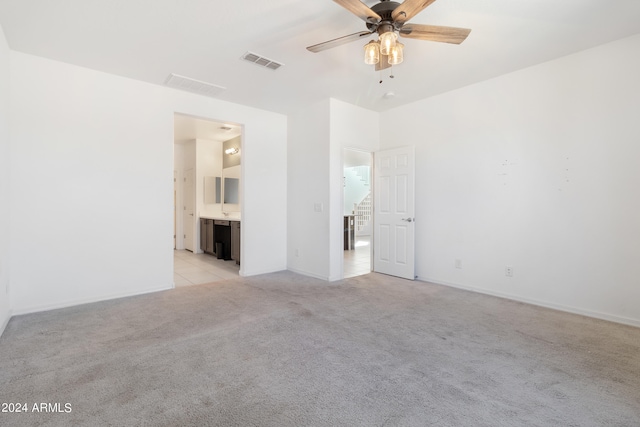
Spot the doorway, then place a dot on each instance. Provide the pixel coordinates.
(199, 161)
(358, 212)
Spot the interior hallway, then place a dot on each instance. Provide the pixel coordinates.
(358, 261)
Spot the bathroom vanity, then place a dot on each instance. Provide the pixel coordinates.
(220, 237)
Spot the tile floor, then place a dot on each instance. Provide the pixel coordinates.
(358, 261)
(195, 269)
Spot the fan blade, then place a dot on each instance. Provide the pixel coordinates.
(361, 10)
(435, 33)
(409, 9)
(337, 42)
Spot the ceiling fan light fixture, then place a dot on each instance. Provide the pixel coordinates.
(387, 42)
(396, 54)
(372, 53)
(389, 20)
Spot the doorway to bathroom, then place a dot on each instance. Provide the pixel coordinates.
(207, 189)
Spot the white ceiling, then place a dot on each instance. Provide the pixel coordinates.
(351, 158)
(204, 39)
(187, 128)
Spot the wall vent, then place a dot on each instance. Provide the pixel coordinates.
(193, 85)
(262, 61)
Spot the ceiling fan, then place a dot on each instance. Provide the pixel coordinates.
(389, 19)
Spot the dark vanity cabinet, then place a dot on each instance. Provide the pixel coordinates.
(235, 241)
(203, 235)
(220, 238)
(207, 236)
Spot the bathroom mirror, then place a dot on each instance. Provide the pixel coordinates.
(231, 189)
(212, 187)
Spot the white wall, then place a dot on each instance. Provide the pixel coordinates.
(92, 183)
(264, 192)
(308, 186)
(536, 170)
(209, 163)
(5, 163)
(317, 136)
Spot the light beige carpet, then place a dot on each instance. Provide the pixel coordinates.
(287, 350)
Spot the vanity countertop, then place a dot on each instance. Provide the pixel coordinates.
(222, 217)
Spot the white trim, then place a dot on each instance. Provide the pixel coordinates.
(545, 304)
(244, 273)
(72, 303)
(306, 273)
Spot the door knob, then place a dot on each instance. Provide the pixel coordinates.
(407, 219)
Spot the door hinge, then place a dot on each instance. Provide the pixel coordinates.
(185, 236)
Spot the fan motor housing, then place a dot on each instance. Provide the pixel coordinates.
(384, 9)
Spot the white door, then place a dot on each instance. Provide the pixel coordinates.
(393, 212)
(189, 208)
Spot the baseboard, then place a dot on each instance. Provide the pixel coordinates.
(545, 304)
(306, 273)
(244, 273)
(5, 322)
(71, 303)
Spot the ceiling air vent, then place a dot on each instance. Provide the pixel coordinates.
(262, 61)
(192, 85)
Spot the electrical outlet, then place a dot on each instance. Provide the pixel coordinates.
(317, 207)
(508, 271)
(297, 252)
(458, 263)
